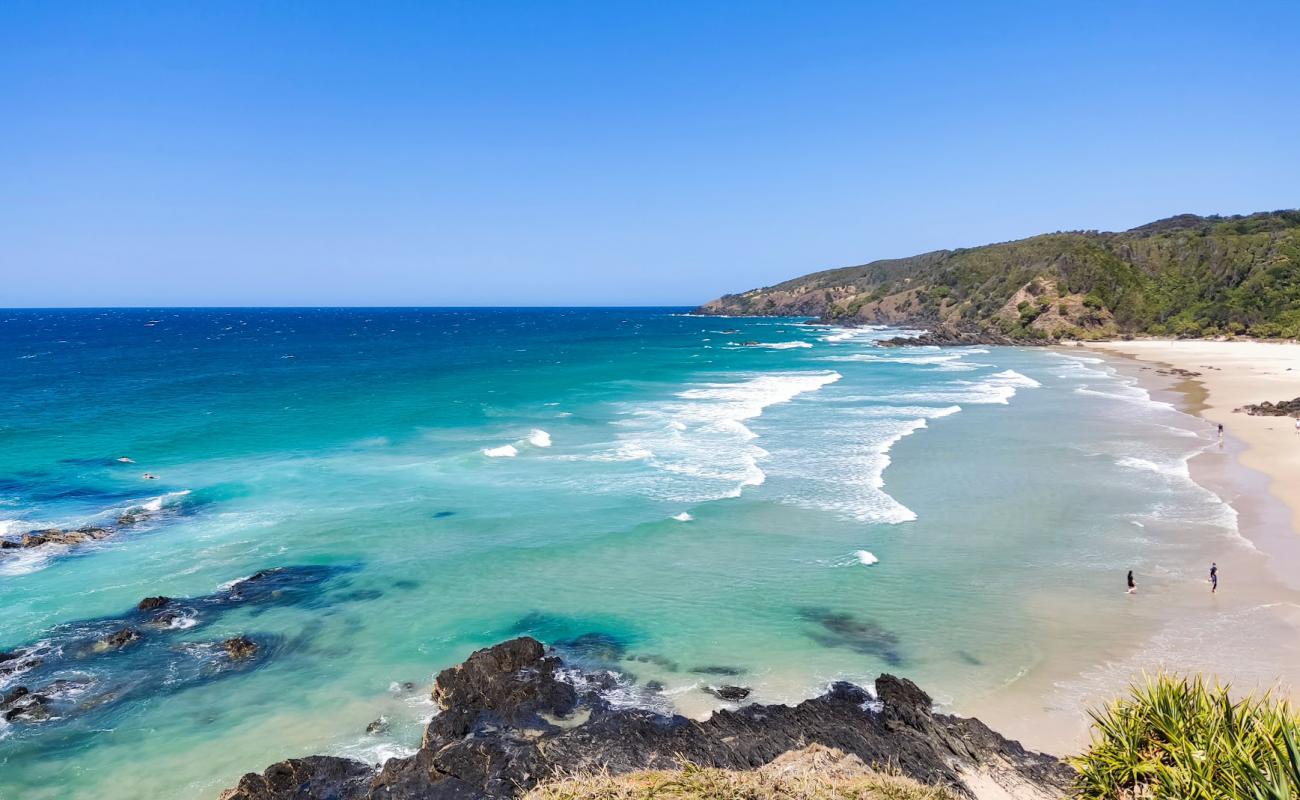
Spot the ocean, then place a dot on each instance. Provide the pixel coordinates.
(691, 501)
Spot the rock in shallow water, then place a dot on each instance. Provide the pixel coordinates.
(731, 693)
(240, 647)
(497, 736)
(153, 603)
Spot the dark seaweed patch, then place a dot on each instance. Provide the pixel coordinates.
(595, 646)
(656, 659)
(840, 629)
(718, 670)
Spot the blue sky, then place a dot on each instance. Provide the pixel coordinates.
(482, 153)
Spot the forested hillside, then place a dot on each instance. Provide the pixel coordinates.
(1186, 276)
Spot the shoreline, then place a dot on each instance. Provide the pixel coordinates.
(1247, 635)
(1233, 374)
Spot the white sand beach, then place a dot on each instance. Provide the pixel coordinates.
(1234, 373)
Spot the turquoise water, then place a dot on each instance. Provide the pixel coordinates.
(637, 485)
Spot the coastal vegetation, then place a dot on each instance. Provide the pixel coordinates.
(815, 773)
(1188, 739)
(1183, 276)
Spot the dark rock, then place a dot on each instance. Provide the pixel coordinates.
(378, 726)
(166, 619)
(22, 704)
(12, 696)
(153, 603)
(1282, 408)
(17, 661)
(654, 686)
(240, 647)
(731, 693)
(495, 738)
(311, 778)
(948, 337)
(117, 640)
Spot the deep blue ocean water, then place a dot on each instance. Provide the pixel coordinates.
(653, 491)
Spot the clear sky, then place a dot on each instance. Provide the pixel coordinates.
(485, 153)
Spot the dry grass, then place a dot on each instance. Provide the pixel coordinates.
(692, 782)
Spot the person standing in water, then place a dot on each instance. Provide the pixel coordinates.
(1132, 584)
(1220, 430)
(1214, 577)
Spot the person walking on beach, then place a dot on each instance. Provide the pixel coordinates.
(1220, 430)
(1132, 584)
(1214, 577)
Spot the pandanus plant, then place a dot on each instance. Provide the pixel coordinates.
(1183, 738)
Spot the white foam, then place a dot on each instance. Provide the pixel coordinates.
(1169, 469)
(162, 501)
(28, 560)
(865, 557)
(779, 345)
(685, 516)
(504, 451)
(841, 470)
(539, 438)
(872, 357)
(697, 443)
(997, 388)
(925, 412)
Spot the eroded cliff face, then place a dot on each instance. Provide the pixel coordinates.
(514, 715)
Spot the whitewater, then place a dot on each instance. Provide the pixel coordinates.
(761, 496)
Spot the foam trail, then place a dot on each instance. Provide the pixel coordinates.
(779, 345)
(162, 501)
(866, 558)
(697, 443)
(685, 516)
(539, 438)
(504, 451)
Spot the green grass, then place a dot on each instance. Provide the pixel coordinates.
(1186, 739)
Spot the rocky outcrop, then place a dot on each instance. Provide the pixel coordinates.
(152, 603)
(71, 537)
(515, 715)
(239, 647)
(132, 650)
(949, 337)
(55, 536)
(1282, 408)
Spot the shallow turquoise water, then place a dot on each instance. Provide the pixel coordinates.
(456, 477)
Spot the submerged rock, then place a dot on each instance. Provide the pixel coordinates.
(729, 672)
(514, 715)
(378, 726)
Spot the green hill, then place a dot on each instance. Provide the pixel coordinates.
(1185, 275)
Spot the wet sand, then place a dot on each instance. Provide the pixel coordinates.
(1247, 634)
